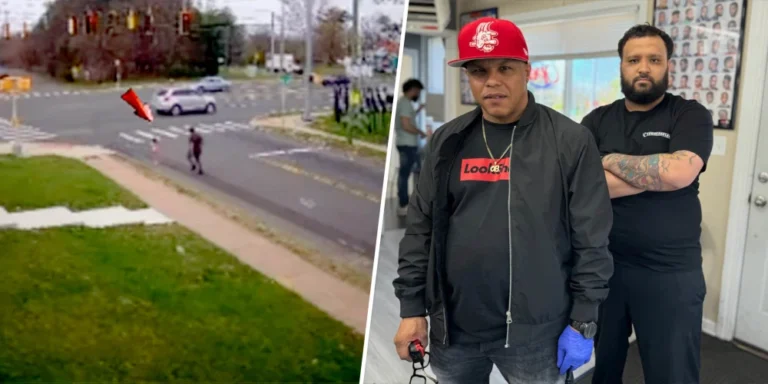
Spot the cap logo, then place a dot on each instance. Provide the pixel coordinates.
(485, 38)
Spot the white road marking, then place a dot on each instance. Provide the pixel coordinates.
(203, 128)
(177, 130)
(282, 152)
(131, 138)
(164, 133)
(145, 134)
(307, 202)
(219, 127)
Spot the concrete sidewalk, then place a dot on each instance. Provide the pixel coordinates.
(297, 124)
(338, 299)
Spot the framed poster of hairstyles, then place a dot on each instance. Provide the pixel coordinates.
(464, 19)
(705, 65)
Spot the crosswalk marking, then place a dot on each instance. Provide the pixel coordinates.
(177, 130)
(164, 133)
(22, 133)
(145, 134)
(131, 138)
(204, 128)
(173, 131)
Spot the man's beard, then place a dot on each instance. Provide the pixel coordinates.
(647, 96)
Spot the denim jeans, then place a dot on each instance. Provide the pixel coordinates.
(408, 158)
(534, 363)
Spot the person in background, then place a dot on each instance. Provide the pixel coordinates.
(654, 146)
(195, 151)
(506, 241)
(407, 139)
(155, 146)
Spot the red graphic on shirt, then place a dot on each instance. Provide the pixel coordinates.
(482, 170)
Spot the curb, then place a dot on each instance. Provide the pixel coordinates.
(257, 122)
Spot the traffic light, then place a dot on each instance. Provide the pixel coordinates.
(149, 21)
(87, 23)
(185, 22)
(72, 25)
(131, 20)
(93, 21)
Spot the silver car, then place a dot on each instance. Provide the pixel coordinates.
(213, 84)
(176, 101)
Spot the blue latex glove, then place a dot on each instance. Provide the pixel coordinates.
(573, 350)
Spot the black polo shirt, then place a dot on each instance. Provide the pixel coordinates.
(656, 230)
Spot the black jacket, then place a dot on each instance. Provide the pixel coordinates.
(561, 217)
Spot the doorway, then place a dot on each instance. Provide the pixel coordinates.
(752, 315)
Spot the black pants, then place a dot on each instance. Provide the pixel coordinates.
(666, 311)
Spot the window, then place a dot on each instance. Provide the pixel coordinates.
(547, 83)
(436, 65)
(573, 50)
(575, 87)
(594, 82)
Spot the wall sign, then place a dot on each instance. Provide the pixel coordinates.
(706, 63)
(464, 19)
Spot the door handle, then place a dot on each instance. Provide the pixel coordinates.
(760, 201)
(763, 177)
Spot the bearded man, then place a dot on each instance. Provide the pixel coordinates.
(654, 146)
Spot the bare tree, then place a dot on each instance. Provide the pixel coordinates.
(295, 15)
(331, 34)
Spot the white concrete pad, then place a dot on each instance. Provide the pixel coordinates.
(107, 217)
(150, 216)
(44, 218)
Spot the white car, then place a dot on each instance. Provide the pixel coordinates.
(177, 101)
(213, 84)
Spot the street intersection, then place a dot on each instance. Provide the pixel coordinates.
(282, 180)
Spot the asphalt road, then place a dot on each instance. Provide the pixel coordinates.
(319, 194)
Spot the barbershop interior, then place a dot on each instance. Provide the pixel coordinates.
(720, 60)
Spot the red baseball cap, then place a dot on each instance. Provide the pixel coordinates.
(490, 38)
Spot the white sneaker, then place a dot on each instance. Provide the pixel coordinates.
(402, 211)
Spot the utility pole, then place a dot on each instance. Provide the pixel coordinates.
(356, 59)
(281, 66)
(309, 4)
(272, 40)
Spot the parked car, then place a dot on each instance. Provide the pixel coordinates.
(213, 84)
(177, 101)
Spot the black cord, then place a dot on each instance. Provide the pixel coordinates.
(569, 377)
(423, 367)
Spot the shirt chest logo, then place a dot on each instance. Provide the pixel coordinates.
(483, 169)
(656, 134)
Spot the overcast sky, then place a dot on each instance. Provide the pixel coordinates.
(250, 11)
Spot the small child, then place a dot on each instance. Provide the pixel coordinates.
(155, 150)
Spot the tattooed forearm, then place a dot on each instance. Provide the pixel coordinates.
(652, 172)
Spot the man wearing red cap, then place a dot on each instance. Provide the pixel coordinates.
(655, 146)
(507, 229)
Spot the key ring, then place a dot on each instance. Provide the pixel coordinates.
(417, 353)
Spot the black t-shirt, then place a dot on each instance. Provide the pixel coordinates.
(477, 259)
(656, 230)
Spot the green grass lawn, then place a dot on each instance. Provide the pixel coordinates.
(41, 182)
(146, 303)
(378, 136)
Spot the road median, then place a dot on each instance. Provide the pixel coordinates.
(295, 124)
